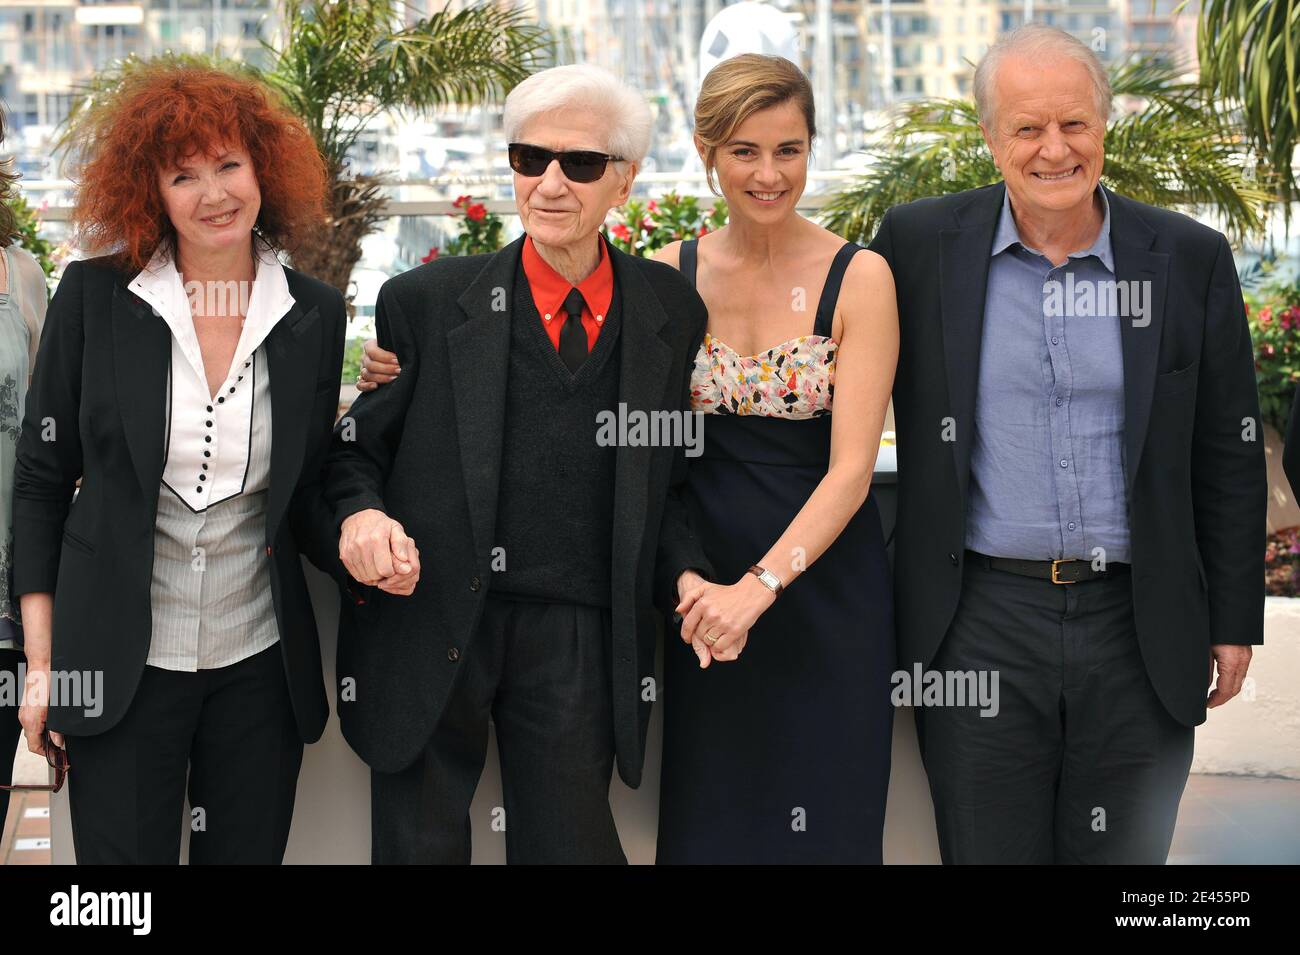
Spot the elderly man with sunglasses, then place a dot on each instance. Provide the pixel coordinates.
(546, 535)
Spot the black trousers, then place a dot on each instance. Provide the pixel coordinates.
(542, 671)
(1082, 763)
(233, 728)
(11, 731)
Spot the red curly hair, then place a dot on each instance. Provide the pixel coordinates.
(162, 113)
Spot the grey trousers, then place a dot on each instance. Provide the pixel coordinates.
(1081, 763)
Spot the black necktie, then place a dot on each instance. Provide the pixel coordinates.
(573, 337)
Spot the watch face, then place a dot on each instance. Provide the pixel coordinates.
(770, 579)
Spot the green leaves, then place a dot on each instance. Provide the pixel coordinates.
(1250, 54)
(339, 64)
(1274, 317)
(933, 148)
(29, 231)
(645, 228)
(1177, 150)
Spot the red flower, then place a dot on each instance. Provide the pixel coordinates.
(1268, 351)
(460, 201)
(704, 230)
(654, 206)
(433, 254)
(477, 212)
(1266, 316)
(621, 232)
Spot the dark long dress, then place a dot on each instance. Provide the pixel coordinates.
(783, 754)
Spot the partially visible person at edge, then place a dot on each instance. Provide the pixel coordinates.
(189, 381)
(23, 299)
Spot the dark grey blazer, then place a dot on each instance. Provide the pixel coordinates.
(1196, 489)
(426, 450)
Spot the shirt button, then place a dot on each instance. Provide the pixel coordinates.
(1054, 341)
(207, 438)
(198, 490)
(1063, 463)
(1059, 400)
(205, 467)
(209, 424)
(475, 584)
(220, 401)
(209, 408)
(232, 391)
(547, 316)
(207, 454)
(1071, 525)
(953, 558)
(453, 654)
(203, 477)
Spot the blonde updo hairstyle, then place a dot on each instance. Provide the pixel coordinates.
(738, 88)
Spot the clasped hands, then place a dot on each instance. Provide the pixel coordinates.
(377, 552)
(716, 617)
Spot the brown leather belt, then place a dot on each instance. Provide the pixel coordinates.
(1068, 571)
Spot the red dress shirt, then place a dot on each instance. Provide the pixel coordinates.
(550, 289)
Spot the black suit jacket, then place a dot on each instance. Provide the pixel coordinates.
(1196, 489)
(101, 380)
(426, 450)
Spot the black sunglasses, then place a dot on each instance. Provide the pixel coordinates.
(578, 165)
(58, 761)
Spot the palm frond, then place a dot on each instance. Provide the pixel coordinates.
(1250, 55)
(342, 63)
(1176, 151)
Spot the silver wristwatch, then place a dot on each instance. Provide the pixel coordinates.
(768, 579)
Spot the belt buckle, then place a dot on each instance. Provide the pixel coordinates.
(1056, 563)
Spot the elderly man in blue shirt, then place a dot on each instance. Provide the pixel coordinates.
(1082, 486)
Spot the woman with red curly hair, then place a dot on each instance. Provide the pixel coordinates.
(189, 381)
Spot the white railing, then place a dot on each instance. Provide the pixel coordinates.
(648, 185)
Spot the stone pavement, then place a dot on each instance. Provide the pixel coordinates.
(26, 839)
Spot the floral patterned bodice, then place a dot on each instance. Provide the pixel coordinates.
(795, 379)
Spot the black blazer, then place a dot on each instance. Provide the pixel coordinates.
(101, 381)
(1196, 490)
(426, 450)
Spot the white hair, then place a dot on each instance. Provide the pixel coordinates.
(1038, 42)
(588, 88)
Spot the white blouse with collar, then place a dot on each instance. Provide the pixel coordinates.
(211, 596)
(209, 438)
